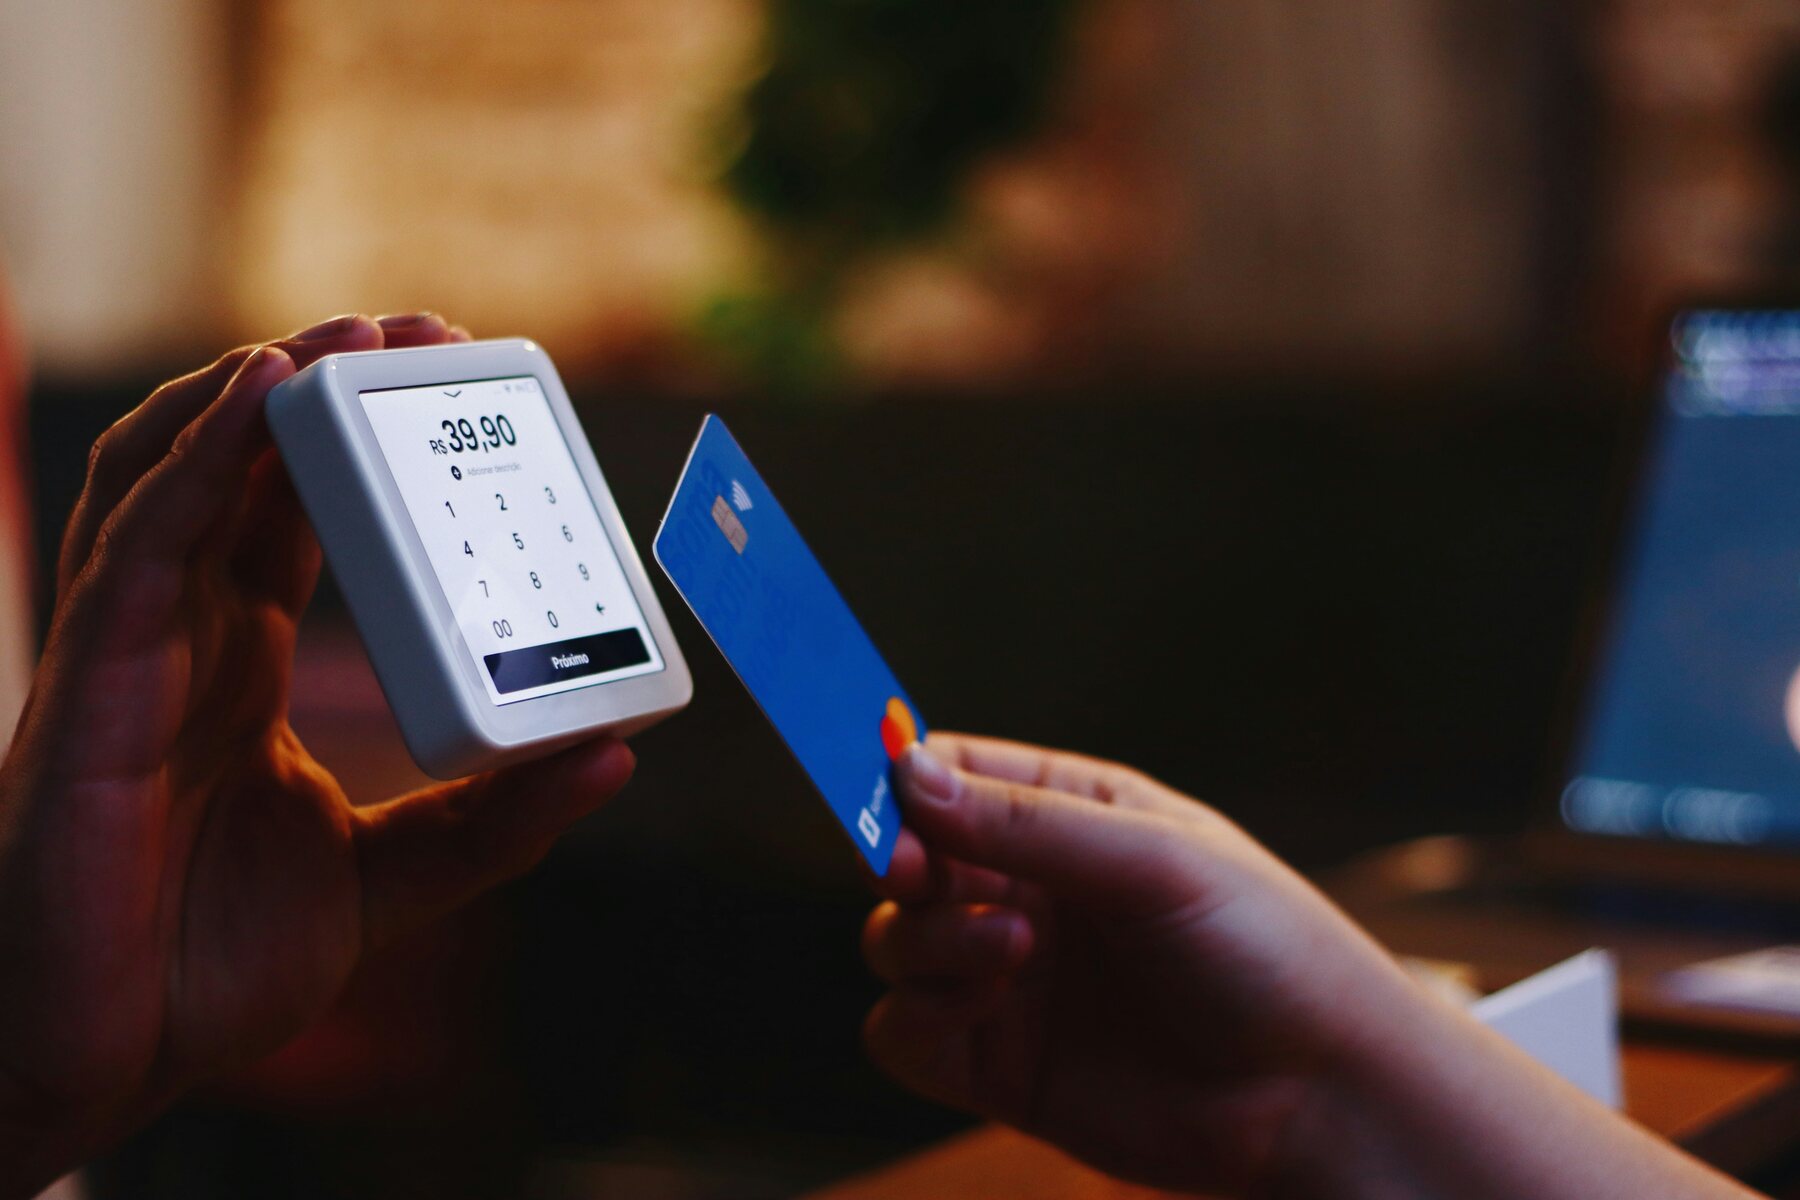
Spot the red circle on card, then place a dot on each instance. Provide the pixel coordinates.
(898, 729)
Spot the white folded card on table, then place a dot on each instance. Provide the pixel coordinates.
(1566, 1017)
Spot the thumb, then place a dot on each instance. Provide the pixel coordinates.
(424, 854)
(1122, 860)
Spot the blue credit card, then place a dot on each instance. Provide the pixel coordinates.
(768, 605)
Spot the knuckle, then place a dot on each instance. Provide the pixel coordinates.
(1131, 777)
(1134, 784)
(106, 540)
(1117, 775)
(182, 448)
(1187, 867)
(132, 596)
(103, 456)
(190, 454)
(1019, 813)
(215, 373)
(995, 812)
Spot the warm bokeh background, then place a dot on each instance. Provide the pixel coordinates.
(1152, 187)
(1229, 388)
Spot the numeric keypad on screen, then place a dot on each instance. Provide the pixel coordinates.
(506, 520)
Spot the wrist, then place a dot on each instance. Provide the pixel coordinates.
(1350, 1138)
(1441, 1105)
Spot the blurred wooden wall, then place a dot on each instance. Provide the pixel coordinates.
(1342, 186)
(1291, 185)
(113, 119)
(1306, 186)
(1693, 200)
(535, 167)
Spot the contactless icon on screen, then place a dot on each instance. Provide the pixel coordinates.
(898, 728)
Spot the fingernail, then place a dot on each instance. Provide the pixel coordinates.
(327, 329)
(403, 320)
(931, 778)
(253, 367)
(266, 357)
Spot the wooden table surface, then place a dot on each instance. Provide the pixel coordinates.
(1735, 1109)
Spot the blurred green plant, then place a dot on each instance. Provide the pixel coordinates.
(857, 140)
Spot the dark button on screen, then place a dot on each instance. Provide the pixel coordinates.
(553, 662)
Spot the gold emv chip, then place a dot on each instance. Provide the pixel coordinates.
(729, 525)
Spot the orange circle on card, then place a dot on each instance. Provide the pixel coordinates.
(898, 729)
(1791, 708)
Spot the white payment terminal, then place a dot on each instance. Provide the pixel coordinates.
(485, 564)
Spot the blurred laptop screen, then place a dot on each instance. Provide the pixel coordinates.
(1692, 721)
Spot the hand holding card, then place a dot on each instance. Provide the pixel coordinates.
(765, 601)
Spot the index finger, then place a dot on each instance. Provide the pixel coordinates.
(1065, 771)
(1126, 861)
(138, 441)
(166, 514)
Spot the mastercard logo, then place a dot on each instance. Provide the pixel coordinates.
(898, 729)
